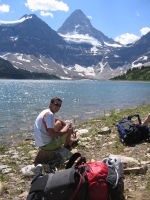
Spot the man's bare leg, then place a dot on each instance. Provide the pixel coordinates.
(58, 126)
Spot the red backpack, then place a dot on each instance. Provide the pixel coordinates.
(95, 174)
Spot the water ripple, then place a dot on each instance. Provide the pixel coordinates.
(22, 100)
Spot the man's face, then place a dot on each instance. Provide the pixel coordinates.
(55, 106)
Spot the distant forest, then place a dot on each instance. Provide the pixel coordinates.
(8, 71)
(135, 74)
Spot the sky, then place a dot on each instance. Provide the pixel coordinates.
(125, 21)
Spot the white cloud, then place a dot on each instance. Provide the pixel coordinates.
(145, 30)
(126, 38)
(90, 17)
(46, 14)
(4, 8)
(46, 5)
(129, 38)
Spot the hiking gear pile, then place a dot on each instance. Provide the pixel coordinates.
(81, 180)
(130, 132)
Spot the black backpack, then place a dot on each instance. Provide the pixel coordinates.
(130, 132)
(64, 185)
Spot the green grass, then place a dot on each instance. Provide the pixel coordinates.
(3, 149)
(148, 185)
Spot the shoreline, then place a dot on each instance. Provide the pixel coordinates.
(9, 139)
(75, 80)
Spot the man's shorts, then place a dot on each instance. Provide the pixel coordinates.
(54, 144)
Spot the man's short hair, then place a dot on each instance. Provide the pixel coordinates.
(55, 98)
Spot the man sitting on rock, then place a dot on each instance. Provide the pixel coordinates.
(51, 133)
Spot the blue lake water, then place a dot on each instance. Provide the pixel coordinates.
(22, 100)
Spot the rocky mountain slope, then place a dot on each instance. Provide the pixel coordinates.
(134, 55)
(76, 51)
(8, 71)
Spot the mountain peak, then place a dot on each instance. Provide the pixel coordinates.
(28, 16)
(76, 22)
(78, 14)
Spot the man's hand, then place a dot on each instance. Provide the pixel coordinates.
(65, 129)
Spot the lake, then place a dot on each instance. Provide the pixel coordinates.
(22, 100)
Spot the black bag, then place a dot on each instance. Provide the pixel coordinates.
(130, 132)
(64, 185)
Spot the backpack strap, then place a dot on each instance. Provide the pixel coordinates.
(73, 158)
(135, 115)
(30, 196)
(81, 182)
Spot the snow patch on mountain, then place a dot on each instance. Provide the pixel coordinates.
(65, 78)
(113, 45)
(116, 56)
(139, 61)
(101, 67)
(89, 71)
(14, 38)
(94, 50)
(20, 57)
(13, 23)
(80, 38)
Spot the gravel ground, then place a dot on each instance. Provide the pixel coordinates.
(93, 144)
